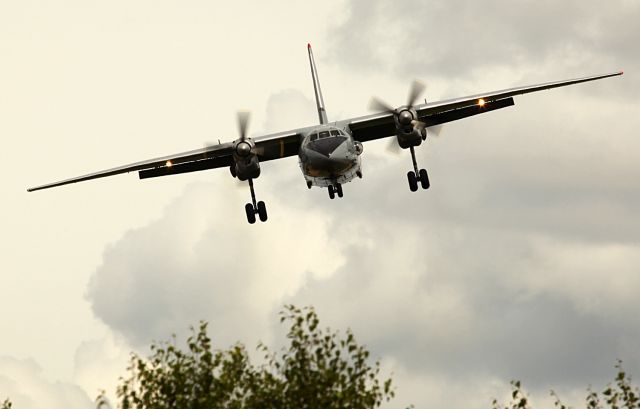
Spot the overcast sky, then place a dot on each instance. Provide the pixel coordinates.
(521, 261)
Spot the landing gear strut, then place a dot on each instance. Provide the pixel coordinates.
(335, 190)
(416, 175)
(254, 208)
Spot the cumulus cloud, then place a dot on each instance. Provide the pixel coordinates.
(457, 41)
(202, 261)
(24, 383)
(99, 363)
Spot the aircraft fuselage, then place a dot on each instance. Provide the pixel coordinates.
(329, 156)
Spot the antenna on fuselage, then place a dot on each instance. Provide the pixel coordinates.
(322, 113)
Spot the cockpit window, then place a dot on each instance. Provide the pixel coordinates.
(335, 132)
(324, 134)
(313, 137)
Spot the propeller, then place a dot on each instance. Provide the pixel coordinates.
(243, 123)
(378, 105)
(243, 149)
(402, 114)
(436, 130)
(416, 89)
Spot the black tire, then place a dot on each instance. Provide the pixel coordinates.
(332, 193)
(424, 179)
(339, 189)
(262, 211)
(413, 182)
(251, 213)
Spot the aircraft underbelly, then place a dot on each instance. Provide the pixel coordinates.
(323, 171)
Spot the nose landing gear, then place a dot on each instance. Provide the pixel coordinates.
(254, 207)
(416, 175)
(335, 190)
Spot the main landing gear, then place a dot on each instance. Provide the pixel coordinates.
(254, 208)
(416, 175)
(335, 190)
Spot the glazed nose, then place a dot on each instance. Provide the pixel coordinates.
(327, 146)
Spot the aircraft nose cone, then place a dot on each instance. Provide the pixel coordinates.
(326, 146)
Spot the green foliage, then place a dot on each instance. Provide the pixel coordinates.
(6, 404)
(319, 369)
(620, 395)
(519, 399)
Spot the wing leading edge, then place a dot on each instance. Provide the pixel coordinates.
(377, 126)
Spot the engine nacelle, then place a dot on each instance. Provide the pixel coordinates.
(246, 163)
(246, 168)
(407, 133)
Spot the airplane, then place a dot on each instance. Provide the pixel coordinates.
(329, 152)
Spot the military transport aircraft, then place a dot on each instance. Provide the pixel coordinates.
(329, 153)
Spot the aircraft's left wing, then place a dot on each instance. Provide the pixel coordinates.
(270, 147)
(435, 113)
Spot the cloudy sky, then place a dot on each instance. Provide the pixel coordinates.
(521, 261)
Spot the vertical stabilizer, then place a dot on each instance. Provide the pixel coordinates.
(322, 113)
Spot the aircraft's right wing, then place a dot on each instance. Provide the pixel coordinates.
(435, 113)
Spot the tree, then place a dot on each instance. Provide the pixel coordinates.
(6, 404)
(620, 394)
(318, 369)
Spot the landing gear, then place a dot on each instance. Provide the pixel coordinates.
(335, 190)
(254, 208)
(251, 213)
(424, 179)
(262, 211)
(413, 182)
(416, 175)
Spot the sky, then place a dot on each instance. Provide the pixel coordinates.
(520, 262)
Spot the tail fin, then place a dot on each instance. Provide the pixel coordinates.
(322, 113)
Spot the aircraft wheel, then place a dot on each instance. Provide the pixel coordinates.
(262, 211)
(251, 213)
(413, 182)
(332, 193)
(424, 179)
(339, 190)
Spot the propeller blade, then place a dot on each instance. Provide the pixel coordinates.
(258, 150)
(243, 123)
(393, 147)
(240, 184)
(435, 130)
(380, 106)
(418, 124)
(416, 89)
